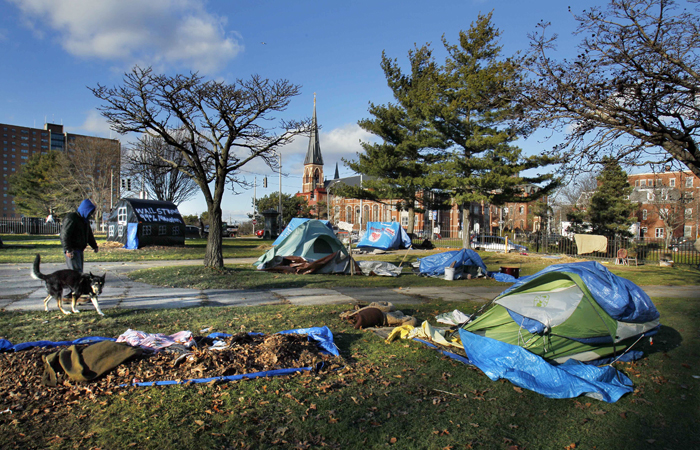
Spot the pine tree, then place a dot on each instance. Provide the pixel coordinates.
(610, 210)
(475, 116)
(398, 166)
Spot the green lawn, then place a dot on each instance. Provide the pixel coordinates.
(400, 395)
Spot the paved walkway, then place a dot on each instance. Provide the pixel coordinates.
(20, 292)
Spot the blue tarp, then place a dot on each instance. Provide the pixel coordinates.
(6, 346)
(295, 222)
(434, 265)
(384, 236)
(620, 298)
(527, 370)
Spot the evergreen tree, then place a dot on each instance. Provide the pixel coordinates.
(40, 187)
(292, 206)
(610, 210)
(475, 116)
(398, 166)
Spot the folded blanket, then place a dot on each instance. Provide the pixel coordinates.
(88, 363)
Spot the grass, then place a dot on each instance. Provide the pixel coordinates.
(400, 395)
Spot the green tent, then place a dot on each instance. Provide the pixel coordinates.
(570, 311)
(312, 241)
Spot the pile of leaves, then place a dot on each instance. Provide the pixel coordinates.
(22, 393)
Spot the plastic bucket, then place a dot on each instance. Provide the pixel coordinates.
(449, 273)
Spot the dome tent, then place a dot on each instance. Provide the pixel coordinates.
(384, 236)
(577, 311)
(138, 223)
(311, 240)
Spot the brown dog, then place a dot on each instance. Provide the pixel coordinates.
(78, 284)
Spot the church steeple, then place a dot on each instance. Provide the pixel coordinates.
(313, 164)
(313, 154)
(337, 175)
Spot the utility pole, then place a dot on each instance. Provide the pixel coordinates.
(279, 161)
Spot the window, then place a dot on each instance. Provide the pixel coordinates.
(672, 182)
(111, 231)
(348, 214)
(688, 231)
(644, 231)
(146, 230)
(120, 230)
(644, 214)
(643, 183)
(121, 216)
(176, 230)
(659, 233)
(688, 213)
(650, 182)
(404, 220)
(357, 214)
(521, 210)
(636, 183)
(375, 213)
(689, 182)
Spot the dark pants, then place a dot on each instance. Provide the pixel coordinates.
(76, 262)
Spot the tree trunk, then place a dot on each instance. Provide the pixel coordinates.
(214, 256)
(466, 226)
(411, 220)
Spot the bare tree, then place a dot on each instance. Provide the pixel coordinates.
(632, 91)
(90, 165)
(232, 119)
(158, 164)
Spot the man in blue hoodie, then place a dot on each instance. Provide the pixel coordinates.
(76, 235)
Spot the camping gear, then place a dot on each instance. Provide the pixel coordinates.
(384, 236)
(465, 260)
(293, 224)
(570, 311)
(138, 223)
(311, 240)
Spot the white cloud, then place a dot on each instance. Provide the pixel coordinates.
(94, 125)
(155, 32)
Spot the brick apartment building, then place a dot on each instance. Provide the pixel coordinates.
(669, 203)
(485, 218)
(20, 143)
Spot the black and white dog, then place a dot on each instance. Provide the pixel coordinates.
(78, 283)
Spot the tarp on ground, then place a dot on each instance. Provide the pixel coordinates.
(293, 224)
(527, 370)
(384, 236)
(576, 311)
(434, 265)
(311, 240)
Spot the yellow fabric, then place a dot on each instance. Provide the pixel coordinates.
(425, 331)
(589, 243)
(399, 332)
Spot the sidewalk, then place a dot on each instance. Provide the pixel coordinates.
(20, 292)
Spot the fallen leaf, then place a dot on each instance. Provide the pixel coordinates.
(518, 390)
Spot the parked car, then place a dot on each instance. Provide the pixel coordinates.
(496, 244)
(683, 245)
(192, 232)
(230, 230)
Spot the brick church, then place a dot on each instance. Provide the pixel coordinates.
(318, 191)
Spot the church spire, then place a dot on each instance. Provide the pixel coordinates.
(313, 154)
(337, 175)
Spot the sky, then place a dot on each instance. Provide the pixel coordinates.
(53, 50)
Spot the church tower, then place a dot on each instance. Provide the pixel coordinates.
(313, 164)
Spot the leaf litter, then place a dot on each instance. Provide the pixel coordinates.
(22, 393)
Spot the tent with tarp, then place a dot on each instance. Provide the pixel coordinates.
(577, 311)
(310, 247)
(384, 236)
(138, 223)
(293, 224)
(463, 261)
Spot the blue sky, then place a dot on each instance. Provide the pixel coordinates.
(53, 49)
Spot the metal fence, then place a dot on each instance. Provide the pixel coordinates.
(29, 225)
(646, 250)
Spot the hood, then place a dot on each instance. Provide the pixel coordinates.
(85, 209)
